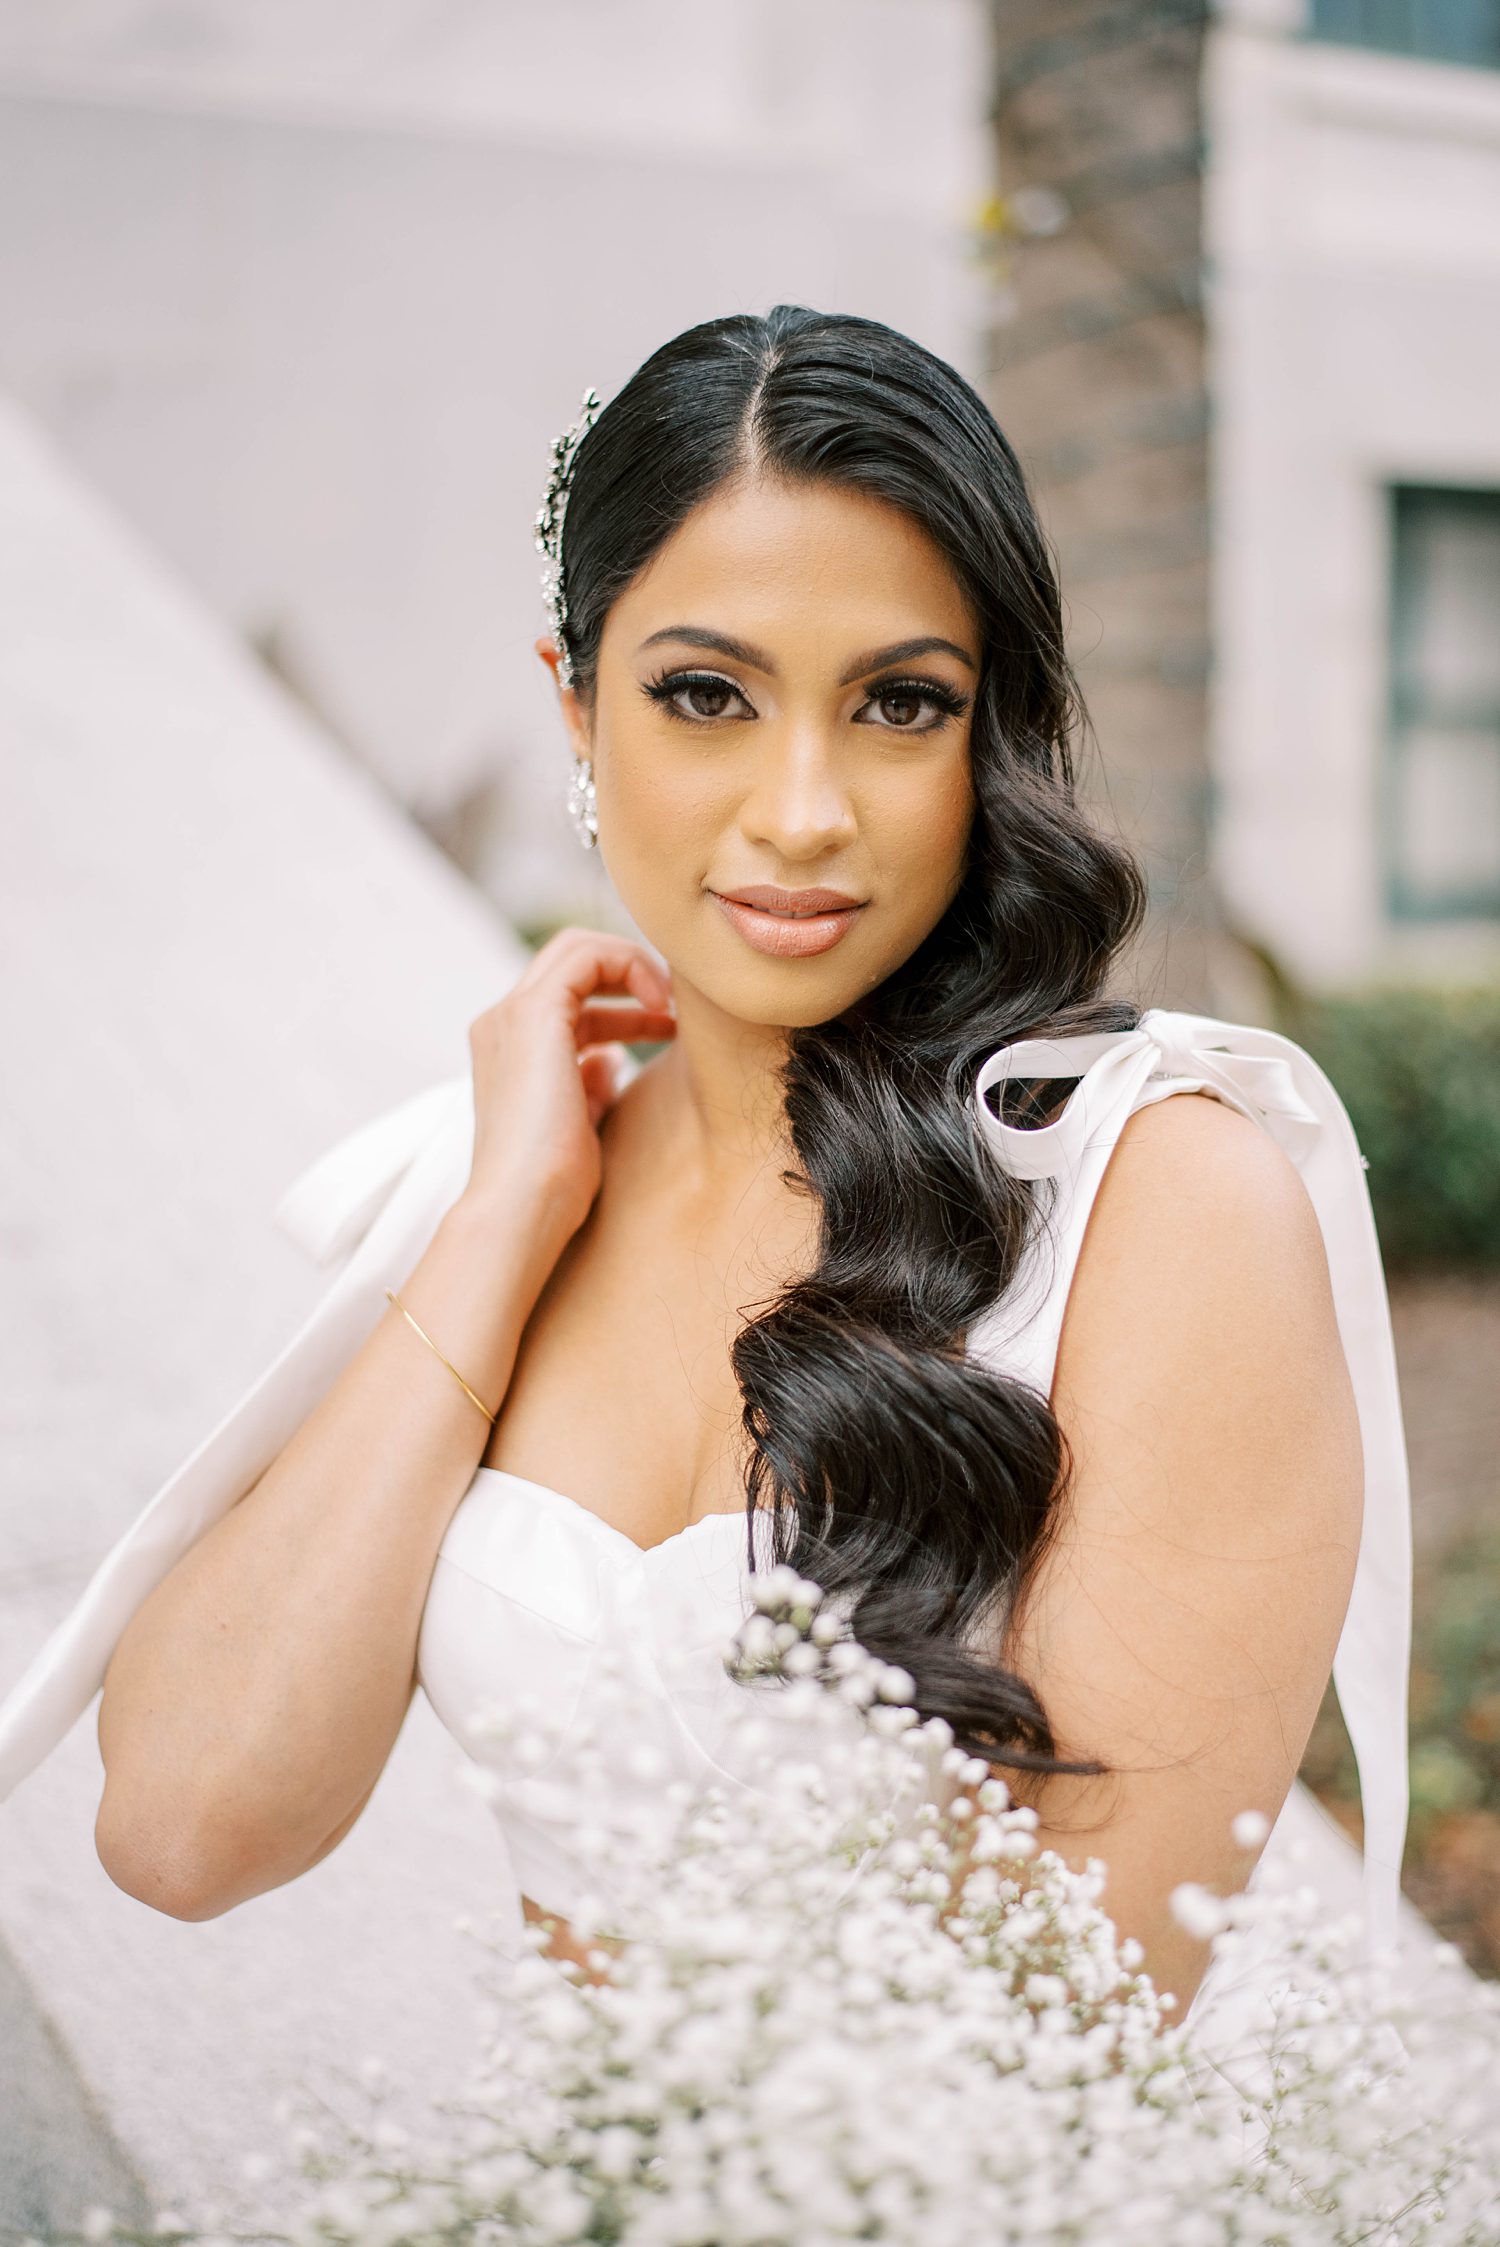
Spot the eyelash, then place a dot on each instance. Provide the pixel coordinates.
(947, 699)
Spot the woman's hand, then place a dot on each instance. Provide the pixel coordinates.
(546, 1059)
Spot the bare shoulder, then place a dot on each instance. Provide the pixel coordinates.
(1192, 1184)
(1203, 1271)
(1191, 1143)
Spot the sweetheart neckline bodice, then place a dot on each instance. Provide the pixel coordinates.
(574, 1508)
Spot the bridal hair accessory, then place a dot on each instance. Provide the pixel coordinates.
(583, 807)
(392, 1297)
(549, 544)
(549, 528)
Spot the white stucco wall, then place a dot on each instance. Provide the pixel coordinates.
(223, 948)
(1353, 232)
(308, 289)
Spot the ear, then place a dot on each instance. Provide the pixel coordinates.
(575, 716)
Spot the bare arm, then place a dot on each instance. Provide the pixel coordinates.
(1183, 1626)
(256, 1693)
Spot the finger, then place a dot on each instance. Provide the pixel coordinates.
(601, 1069)
(590, 960)
(651, 980)
(622, 1023)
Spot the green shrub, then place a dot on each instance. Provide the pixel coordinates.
(1419, 1072)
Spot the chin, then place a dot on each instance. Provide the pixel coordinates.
(788, 995)
(782, 1016)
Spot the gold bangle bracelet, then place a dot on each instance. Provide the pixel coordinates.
(393, 1297)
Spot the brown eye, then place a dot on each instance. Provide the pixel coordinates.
(707, 698)
(901, 707)
(701, 695)
(912, 706)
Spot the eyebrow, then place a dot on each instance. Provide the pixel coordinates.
(874, 659)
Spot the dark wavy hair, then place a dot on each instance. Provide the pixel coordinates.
(915, 1481)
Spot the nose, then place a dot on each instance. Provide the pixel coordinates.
(797, 802)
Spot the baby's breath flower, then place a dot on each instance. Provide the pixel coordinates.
(830, 2000)
(1197, 1909)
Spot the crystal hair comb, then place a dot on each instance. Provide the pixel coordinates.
(549, 527)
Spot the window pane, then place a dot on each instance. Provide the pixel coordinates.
(1453, 651)
(1448, 817)
(1443, 793)
(1448, 30)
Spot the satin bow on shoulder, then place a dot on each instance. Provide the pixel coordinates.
(1255, 1071)
(1278, 1085)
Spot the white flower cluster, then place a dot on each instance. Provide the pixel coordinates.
(844, 2009)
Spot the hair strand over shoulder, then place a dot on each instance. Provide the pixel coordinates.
(907, 1478)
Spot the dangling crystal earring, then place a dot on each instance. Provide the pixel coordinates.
(549, 544)
(582, 804)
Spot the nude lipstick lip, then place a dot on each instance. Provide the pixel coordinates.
(790, 924)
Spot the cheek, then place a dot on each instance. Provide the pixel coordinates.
(660, 815)
(659, 809)
(919, 834)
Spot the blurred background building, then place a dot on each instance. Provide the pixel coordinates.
(1254, 361)
(294, 296)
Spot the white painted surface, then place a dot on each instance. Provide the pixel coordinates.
(1353, 229)
(223, 948)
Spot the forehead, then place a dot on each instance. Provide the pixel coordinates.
(767, 559)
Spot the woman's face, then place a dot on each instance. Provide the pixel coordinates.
(780, 740)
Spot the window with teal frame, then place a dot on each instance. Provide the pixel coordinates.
(1442, 30)
(1441, 795)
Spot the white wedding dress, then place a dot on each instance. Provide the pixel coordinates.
(534, 1597)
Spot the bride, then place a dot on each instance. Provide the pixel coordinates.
(1048, 1333)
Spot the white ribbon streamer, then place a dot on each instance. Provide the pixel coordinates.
(1279, 1086)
